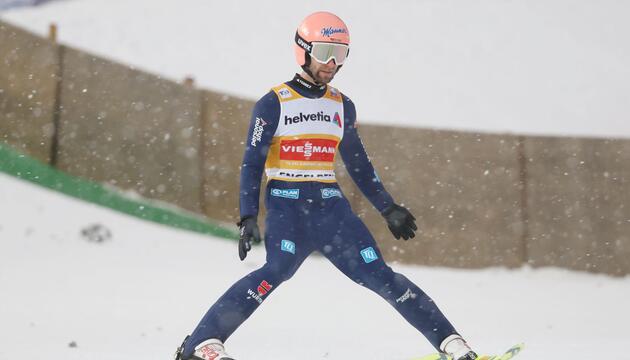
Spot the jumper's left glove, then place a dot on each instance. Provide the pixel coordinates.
(400, 221)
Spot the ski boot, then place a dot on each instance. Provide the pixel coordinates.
(211, 349)
(455, 347)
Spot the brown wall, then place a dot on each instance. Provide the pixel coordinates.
(464, 189)
(225, 123)
(579, 203)
(28, 79)
(130, 129)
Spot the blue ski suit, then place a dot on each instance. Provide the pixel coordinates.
(307, 211)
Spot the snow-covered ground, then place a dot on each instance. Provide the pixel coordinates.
(138, 294)
(559, 67)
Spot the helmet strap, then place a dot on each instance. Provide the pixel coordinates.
(305, 67)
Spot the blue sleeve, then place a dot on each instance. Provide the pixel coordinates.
(358, 163)
(263, 125)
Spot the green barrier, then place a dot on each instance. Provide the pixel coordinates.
(27, 168)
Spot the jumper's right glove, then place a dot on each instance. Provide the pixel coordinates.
(400, 221)
(248, 231)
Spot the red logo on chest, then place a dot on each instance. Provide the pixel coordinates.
(308, 150)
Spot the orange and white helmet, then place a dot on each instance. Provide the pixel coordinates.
(322, 36)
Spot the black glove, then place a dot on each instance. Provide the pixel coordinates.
(249, 231)
(400, 222)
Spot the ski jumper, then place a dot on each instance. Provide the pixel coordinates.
(295, 133)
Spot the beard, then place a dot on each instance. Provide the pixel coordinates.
(324, 78)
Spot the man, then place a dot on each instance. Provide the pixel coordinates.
(296, 131)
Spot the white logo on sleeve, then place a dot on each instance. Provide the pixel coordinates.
(258, 131)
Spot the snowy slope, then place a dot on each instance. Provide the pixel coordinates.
(559, 67)
(136, 295)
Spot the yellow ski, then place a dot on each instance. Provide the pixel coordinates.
(512, 352)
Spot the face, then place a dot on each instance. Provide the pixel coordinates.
(323, 73)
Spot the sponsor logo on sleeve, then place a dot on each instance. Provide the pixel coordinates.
(288, 246)
(258, 131)
(286, 193)
(330, 192)
(369, 254)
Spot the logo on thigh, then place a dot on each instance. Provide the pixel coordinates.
(260, 292)
(288, 246)
(369, 254)
(406, 296)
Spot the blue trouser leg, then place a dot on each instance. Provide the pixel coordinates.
(285, 253)
(352, 249)
(295, 228)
